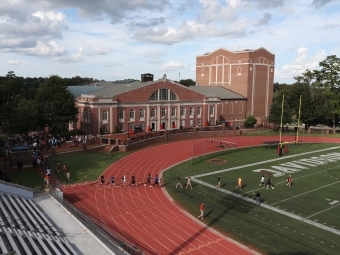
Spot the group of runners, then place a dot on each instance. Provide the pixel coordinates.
(133, 183)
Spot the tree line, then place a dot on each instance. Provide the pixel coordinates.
(34, 103)
(320, 97)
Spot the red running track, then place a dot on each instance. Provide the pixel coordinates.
(147, 217)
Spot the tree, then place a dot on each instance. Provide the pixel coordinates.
(187, 82)
(313, 102)
(250, 121)
(276, 110)
(56, 105)
(329, 80)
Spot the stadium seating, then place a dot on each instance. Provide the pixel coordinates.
(24, 229)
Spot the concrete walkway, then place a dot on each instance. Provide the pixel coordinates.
(86, 243)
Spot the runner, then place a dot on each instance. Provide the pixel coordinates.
(133, 181)
(239, 183)
(64, 170)
(218, 182)
(112, 181)
(123, 180)
(102, 179)
(269, 183)
(262, 181)
(202, 211)
(189, 183)
(179, 182)
(157, 181)
(85, 178)
(58, 168)
(289, 181)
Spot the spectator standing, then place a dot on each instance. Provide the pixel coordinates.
(218, 182)
(68, 176)
(64, 170)
(258, 198)
(239, 183)
(85, 178)
(58, 168)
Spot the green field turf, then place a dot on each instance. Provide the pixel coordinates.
(301, 219)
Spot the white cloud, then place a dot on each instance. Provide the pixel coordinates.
(98, 51)
(301, 63)
(71, 58)
(264, 20)
(44, 49)
(172, 66)
(13, 62)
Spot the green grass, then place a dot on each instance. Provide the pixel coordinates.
(28, 178)
(78, 164)
(270, 232)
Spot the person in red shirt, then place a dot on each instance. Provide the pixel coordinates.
(289, 181)
(202, 211)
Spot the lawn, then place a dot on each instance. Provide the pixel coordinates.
(78, 164)
(29, 178)
(301, 219)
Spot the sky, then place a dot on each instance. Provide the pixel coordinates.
(122, 39)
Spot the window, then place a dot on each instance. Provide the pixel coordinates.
(132, 114)
(202, 72)
(199, 122)
(141, 113)
(211, 112)
(153, 113)
(104, 115)
(173, 112)
(104, 128)
(173, 96)
(154, 96)
(191, 111)
(121, 114)
(240, 107)
(121, 127)
(183, 111)
(164, 95)
(163, 112)
(199, 111)
(239, 71)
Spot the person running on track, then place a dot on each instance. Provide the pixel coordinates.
(148, 181)
(157, 181)
(133, 181)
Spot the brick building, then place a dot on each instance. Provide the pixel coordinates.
(249, 73)
(230, 86)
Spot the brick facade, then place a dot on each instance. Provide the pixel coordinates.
(249, 73)
(244, 79)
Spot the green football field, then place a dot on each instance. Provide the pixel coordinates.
(301, 219)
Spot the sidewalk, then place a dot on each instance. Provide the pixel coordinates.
(86, 243)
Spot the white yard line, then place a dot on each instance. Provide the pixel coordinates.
(322, 211)
(291, 215)
(306, 193)
(263, 162)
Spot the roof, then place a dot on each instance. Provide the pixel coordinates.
(211, 91)
(237, 51)
(76, 91)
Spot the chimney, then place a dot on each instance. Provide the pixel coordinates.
(146, 77)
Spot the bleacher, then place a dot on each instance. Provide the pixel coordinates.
(24, 229)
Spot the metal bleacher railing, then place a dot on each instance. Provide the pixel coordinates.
(114, 242)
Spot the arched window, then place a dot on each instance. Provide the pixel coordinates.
(211, 111)
(191, 111)
(121, 114)
(104, 115)
(153, 113)
(240, 105)
(141, 113)
(163, 112)
(199, 111)
(163, 95)
(183, 111)
(132, 114)
(239, 71)
(202, 71)
(173, 112)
